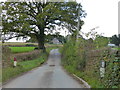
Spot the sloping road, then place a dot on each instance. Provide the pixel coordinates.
(49, 75)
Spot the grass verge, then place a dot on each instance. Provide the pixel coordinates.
(24, 66)
(92, 81)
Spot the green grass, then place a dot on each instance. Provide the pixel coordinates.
(92, 81)
(21, 49)
(23, 66)
(28, 49)
(117, 48)
(17, 43)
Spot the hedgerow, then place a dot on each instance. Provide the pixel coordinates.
(83, 57)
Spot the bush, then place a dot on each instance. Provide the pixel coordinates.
(112, 77)
(6, 57)
(30, 45)
(83, 59)
(27, 56)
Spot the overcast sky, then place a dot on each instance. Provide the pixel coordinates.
(102, 13)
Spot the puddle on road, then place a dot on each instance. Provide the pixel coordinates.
(52, 65)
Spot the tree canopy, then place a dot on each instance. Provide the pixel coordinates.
(34, 18)
(49, 38)
(101, 41)
(115, 39)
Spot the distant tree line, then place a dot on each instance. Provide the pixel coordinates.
(115, 39)
(49, 38)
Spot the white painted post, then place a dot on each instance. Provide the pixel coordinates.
(102, 69)
(15, 62)
(102, 72)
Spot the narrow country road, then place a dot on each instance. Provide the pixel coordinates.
(49, 75)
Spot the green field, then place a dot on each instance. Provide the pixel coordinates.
(28, 49)
(21, 49)
(117, 48)
(17, 43)
(23, 44)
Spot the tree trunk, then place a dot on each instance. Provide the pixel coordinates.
(40, 38)
(41, 44)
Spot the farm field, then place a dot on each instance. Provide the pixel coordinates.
(23, 43)
(17, 43)
(21, 49)
(117, 48)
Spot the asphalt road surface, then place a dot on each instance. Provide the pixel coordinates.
(49, 75)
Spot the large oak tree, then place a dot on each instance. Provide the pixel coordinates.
(33, 19)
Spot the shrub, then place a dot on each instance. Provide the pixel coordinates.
(30, 45)
(6, 56)
(83, 59)
(27, 56)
